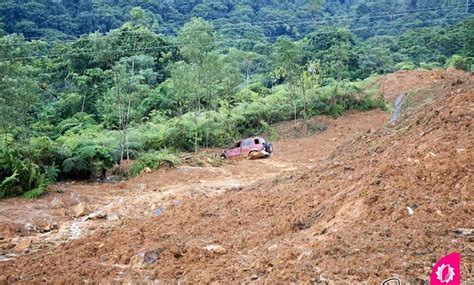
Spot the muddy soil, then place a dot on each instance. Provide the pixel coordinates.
(54, 219)
(361, 200)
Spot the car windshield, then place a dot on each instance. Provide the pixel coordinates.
(247, 142)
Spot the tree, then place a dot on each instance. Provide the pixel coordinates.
(183, 86)
(2, 31)
(144, 18)
(289, 60)
(334, 49)
(19, 89)
(90, 85)
(197, 46)
(131, 77)
(246, 61)
(315, 6)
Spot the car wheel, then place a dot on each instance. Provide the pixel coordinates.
(223, 156)
(253, 155)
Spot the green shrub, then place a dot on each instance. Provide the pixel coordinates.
(49, 175)
(273, 134)
(216, 161)
(87, 160)
(459, 62)
(405, 65)
(76, 123)
(246, 95)
(20, 176)
(260, 89)
(430, 65)
(153, 160)
(44, 151)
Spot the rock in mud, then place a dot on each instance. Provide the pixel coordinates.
(23, 245)
(75, 232)
(113, 217)
(28, 229)
(152, 256)
(143, 259)
(215, 248)
(96, 216)
(464, 232)
(48, 228)
(56, 203)
(80, 210)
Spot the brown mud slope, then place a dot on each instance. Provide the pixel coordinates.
(385, 203)
(409, 81)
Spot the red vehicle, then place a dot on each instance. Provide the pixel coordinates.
(253, 148)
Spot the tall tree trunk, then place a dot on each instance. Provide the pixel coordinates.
(5, 137)
(208, 115)
(295, 105)
(197, 110)
(121, 121)
(196, 117)
(129, 105)
(195, 133)
(305, 118)
(122, 143)
(127, 143)
(305, 114)
(83, 102)
(295, 110)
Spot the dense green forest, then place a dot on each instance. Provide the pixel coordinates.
(147, 79)
(252, 20)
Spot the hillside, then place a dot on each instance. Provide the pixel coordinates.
(330, 207)
(254, 21)
(114, 116)
(80, 108)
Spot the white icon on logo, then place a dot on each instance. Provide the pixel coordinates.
(448, 276)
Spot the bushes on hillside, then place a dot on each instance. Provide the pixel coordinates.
(153, 160)
(21, 176)
(88, 160)
(219, 128)
(82, 149)
(460, 62)
(405, 65)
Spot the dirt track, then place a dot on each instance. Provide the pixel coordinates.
(308, 213)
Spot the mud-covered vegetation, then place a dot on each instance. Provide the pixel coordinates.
(73, 107)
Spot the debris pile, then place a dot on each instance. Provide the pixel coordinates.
(388, 203)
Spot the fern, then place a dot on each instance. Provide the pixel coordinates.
(87, 160)
(41, 186)
(72, 164)
(7, 183)
(21, 176)
(78, 122)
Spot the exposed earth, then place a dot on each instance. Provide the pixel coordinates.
(360, 200)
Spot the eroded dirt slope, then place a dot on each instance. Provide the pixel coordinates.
(389, 201)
